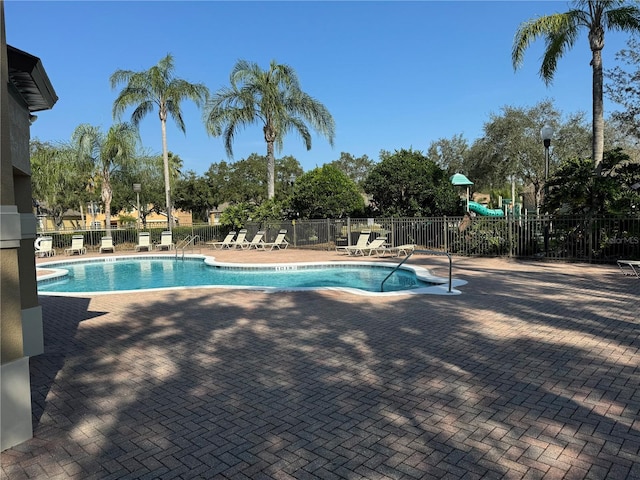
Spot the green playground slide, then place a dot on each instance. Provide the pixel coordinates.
(482, 210)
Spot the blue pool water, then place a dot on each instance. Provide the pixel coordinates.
(152, 273)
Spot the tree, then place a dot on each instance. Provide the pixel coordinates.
(406, 183)
(572, 191)
(157, 87)
(326, 192)
(450, 154)
(272, 98)
(58, 179)
(107, 153)
(356, 168)
(560, 31)
(193, 194)
(624, 89)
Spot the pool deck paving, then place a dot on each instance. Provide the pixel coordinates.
(532, 372)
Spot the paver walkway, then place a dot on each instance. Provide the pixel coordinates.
(533, 372)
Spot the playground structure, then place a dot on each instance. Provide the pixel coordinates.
(507, 206)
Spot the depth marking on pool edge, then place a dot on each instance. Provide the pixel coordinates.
(288, 267)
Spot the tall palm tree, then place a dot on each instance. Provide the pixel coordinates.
(560, 31)
(106, 152)
(272, 98)
(157, 87)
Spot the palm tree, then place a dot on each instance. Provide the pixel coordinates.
(157, 87)
(560, 31)
(272, 98)
(106, 152)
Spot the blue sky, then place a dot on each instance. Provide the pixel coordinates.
(393, 74)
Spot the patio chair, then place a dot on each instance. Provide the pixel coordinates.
(226, 243)
(396, 251)
(166, 241)
(106, 244)
(77, 246)
(363, 240)
(240, 240)
(144, 241)
(44, 247)
(632, 267)
(280, 242)
(370, 248)
(256, 242)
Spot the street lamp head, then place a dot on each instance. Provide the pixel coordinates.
(546, 133)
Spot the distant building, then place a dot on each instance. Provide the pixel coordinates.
(24, 89)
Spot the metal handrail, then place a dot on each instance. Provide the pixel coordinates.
(430, 252)
(185, 242)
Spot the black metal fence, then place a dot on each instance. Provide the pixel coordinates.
(580, 239)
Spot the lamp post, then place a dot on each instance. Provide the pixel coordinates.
(546, 133)
(138, 188)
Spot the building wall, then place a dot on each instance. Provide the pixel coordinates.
(21, 319)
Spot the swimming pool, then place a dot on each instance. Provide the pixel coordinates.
(135, 273)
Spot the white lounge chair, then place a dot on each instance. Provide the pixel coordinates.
(144, 241)
(44, 247)
(370, 248)
(166, 241)
(240, 240)
(396, 251)
(106, 244)
(280, 242)
(632, 267)
(77, 246)
(363, 240)
(256, 242)
(226, 243)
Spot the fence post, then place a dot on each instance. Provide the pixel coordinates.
(328, 234)
(349, 231)
(446, 234)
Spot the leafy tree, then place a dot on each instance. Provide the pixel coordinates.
(236, 215)
(560, 31)
(326, 192)
(406, 183)
(272, 98)
(624, 89)
(193, 193)
(58, 179)
(450, 154)
(511, 149)
(287, 170)
(157, 87)
(107, 153)
(571, 189)
(356, 168)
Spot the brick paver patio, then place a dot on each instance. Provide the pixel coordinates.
(533, 372)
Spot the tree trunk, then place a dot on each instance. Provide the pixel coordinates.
(598, 112)
(271, 165)
(107, 195)
(167, 184)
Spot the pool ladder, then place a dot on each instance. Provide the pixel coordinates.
(182, 245)
(429, 252)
